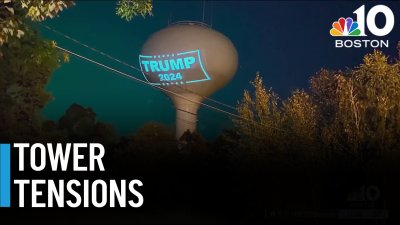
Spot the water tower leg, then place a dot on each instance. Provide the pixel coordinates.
(186, 114)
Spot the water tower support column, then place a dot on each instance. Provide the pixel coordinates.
(186, 113)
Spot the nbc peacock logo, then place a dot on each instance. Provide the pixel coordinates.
(365, 21)
(345, 27)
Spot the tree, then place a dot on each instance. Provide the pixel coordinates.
(260, 120)
(353, 114)
(192, 143)
(359, 109)
(127, 9)
(300, 125)
(27, 61)
(14, 14)
(273, 128)
(153, 143)
(26, 67)
(79, 124)
(377, 86)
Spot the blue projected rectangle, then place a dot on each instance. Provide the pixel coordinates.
(174, 68)
(5, 175)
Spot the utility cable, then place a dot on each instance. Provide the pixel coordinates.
(163, 89)
(127, 64)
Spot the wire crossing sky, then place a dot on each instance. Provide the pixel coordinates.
(287, 42)
(128, 65)
(165, 90)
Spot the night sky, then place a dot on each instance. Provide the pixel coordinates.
(287, 42)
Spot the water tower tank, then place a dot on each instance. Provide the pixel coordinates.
(192, 60)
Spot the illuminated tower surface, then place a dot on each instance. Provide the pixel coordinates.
(191, 60)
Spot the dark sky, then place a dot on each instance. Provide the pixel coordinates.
(286, 41)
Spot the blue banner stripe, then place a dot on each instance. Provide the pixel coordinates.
(5, 175)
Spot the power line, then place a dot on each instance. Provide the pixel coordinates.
(127, 64)
(149, 84)
(212, 12)
(204, 9)
(163, 89)
(144, 82)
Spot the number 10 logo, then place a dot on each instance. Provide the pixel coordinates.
(348, 27)
(371, 23)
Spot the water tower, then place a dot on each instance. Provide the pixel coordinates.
(192, 60)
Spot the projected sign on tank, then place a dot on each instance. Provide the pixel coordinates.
(173, 69)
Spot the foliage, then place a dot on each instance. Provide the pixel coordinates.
(13, 14)
(261, 117)
(127, 9)
(10, 23)
(355, 114)
(154, 136)
(363, 103)
(26, 63)
(299, 124)
(39, 10)
(26, 67)
(151, 144)
(79, 124)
